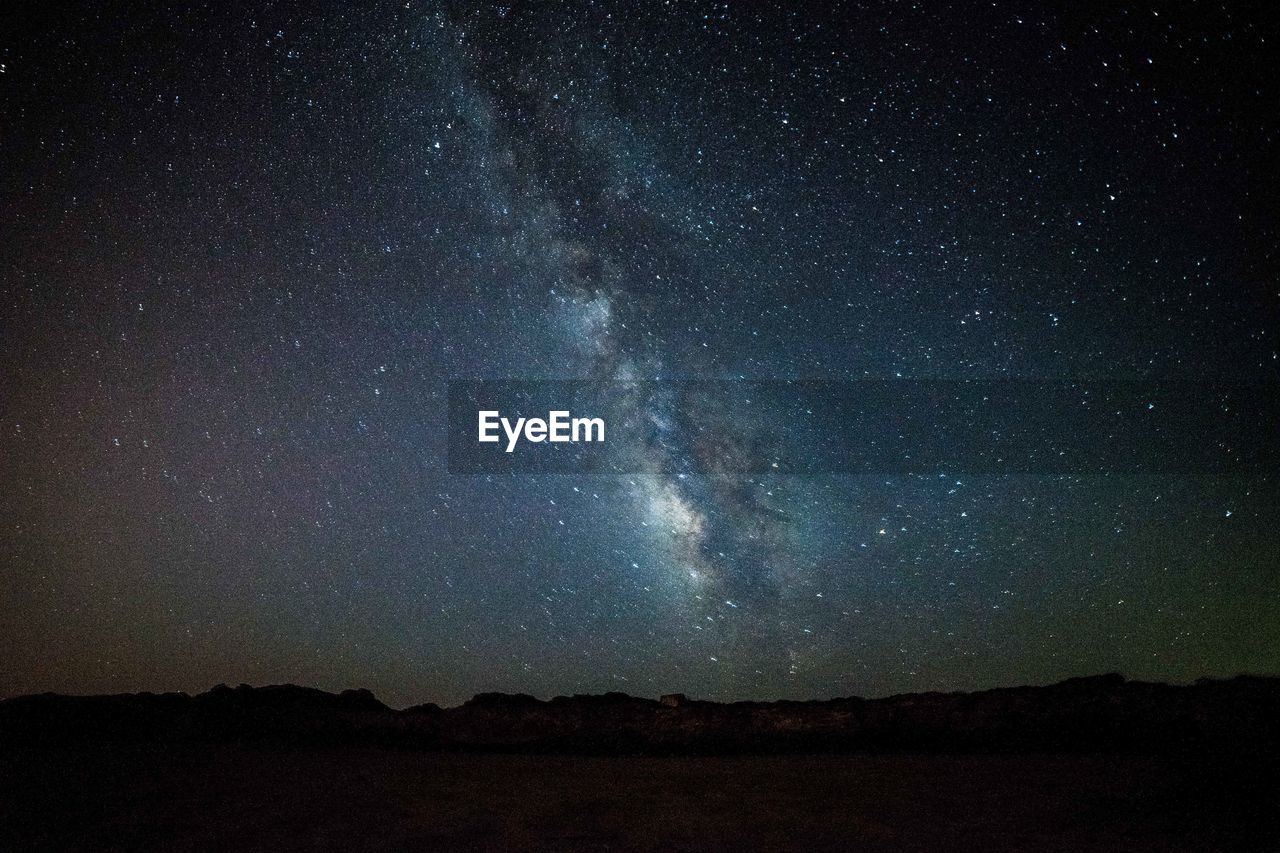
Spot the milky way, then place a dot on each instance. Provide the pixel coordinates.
(247, 251)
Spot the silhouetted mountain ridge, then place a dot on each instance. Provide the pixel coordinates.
(1094, 714)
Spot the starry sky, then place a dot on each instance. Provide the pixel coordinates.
(248, 249)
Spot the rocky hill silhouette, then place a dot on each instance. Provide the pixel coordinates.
(1101, 714)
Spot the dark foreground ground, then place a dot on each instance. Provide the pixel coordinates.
(236, 797)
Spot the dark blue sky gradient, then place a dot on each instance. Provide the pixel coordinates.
(246, 248)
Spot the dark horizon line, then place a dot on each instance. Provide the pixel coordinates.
(1108, 678)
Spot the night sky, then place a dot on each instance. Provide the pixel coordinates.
(245, 249)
